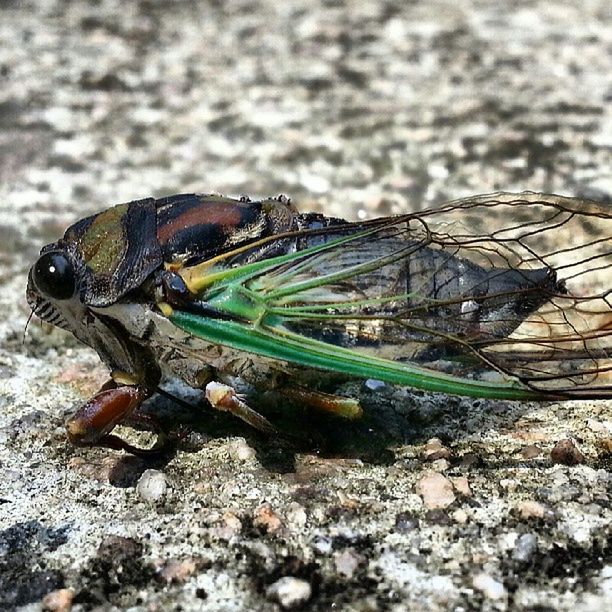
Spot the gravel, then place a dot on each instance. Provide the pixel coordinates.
(290, 592)
(152, 485)
(351, 107)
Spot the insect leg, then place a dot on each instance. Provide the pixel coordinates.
(223, 397)
(92, 423)
(344, 407)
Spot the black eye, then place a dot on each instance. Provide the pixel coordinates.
(53, 275)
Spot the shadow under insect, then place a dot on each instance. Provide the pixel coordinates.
(392, 416)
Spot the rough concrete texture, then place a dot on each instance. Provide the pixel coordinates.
(354, 108)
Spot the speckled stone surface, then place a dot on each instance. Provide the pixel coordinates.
(355, 108)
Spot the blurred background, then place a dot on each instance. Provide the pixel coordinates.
(354, 108)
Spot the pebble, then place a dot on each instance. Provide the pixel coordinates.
(230, 526)
(118, 551)
(405, 522)
(322, 544)
(436, 490)
(460, 516)
(152, 485)
(98, 470)
(525, 547)
(490, 588)
(566, 452)
(438, 516)
(581, 535)
(176, 572)
(509, 484)
(531, 451)
(58, 601)
(598, 426)
(440, 465)
(462, 486)
(266, 519)
(532, 509)
(434, 449)
(239, 450)
(296, 515)
(347, 562)
(470, 460)
(606, 580)
(372, 384)
(290, 592)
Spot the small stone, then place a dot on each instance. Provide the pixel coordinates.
(239, 450)
(231, 520)
(440, 465)
(405, 522)
(296, 515)
(99, 470)
(470, 460)
(372, 384)
(290, 592)
(462, 486)
(436, 490)
(434, 449)
(531, 451)
(152, 485)
(323, 545)
(598, 426)
(532, 509)
(509, 484)
(176, 572)
(460, 516)
(58, 601)
(490, 588)
(582, 535)
(606, 580)
(347, 562)
(438, 516)
(566, 452)
(525, 547)
(230, 526)
(119, 551)
(266, 519)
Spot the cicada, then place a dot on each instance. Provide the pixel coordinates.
(501, 296)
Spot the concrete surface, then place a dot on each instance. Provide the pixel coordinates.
(353, 108)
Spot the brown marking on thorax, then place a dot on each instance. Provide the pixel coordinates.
(221, 214)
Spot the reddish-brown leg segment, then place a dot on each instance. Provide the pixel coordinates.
(92, 423)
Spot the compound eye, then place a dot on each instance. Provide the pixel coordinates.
(53, 275)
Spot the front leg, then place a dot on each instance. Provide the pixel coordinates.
(92, 424)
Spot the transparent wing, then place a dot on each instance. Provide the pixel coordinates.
(492, 288)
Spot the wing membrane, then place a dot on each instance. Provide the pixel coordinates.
(506, 291)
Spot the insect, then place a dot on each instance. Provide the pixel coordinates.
(496, 296)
